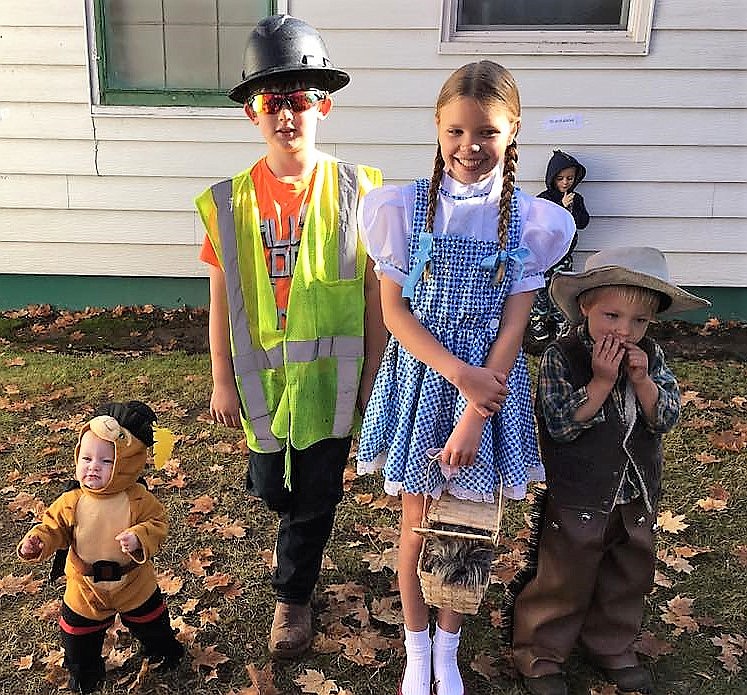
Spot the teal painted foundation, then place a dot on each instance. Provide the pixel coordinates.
(78, 292)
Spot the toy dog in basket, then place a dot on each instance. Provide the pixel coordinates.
(459, 544)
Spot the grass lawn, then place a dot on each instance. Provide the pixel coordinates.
(214, 565)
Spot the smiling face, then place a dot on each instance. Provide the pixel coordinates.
(612, 311)
(95, 463)
(473, 137)
(565, 179)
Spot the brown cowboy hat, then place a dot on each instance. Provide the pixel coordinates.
(639, 266)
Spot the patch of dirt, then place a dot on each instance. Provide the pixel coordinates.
(712, 340)
(150, 329)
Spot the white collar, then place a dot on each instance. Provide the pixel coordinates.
(489, 188)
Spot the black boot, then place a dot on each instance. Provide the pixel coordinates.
(159, 644)
(86, 680)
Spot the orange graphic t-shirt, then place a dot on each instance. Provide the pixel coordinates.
(281, 205)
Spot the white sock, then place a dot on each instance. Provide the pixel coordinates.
(417, 677)
(445, 669)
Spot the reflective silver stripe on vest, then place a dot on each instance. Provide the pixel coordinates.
(347, 395)
(347, 350)
(247, 362)
(347, 185)
(346, 347)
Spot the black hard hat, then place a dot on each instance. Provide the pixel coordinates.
(281, 46)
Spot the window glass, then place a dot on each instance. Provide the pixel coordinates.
(479, 15)
(546, 27)
(173, 51)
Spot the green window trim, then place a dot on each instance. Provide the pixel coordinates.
(109, 95)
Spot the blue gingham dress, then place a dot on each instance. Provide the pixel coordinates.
(413, 408)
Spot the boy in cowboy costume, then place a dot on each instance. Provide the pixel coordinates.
(604, 398)
(112, 526)
(295, 320)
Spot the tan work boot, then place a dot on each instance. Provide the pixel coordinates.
(291, 633)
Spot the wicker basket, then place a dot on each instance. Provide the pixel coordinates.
(485, 519)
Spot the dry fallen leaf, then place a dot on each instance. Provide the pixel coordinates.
(740, 552)
(168, 583)
(208, 657)
(732, 647)
(198, 561)
(186, 633)
(263, 680)
(484, 664)
(312, 681)
(670, 523)
(387, 610)
(709, 504)
(11, 586)
(678, 612)
(650, 645)
(203, 505)
(213, 581)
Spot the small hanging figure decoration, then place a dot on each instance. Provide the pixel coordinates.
(427, 271)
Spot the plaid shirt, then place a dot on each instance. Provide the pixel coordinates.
(559, 402)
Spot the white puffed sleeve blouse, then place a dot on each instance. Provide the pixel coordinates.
(385, 224)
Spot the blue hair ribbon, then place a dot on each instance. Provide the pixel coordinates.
(494, 262)
(422, 259)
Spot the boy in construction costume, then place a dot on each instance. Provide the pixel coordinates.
(295, 320)
(112, 526)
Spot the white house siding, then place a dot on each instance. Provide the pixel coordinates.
(108, 190)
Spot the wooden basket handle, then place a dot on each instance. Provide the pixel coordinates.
(423, 520)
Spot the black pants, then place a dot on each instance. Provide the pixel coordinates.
(306, 512)
(83, 639)
(543, 310)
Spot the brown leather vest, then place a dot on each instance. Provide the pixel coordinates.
(585, 473)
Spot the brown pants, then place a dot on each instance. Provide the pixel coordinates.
(594, 570)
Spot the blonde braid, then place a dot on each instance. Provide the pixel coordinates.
(438, 170)
(510, 161)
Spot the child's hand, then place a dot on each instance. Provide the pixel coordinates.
(484, 388)
(31, 548)
(636, 363)
(224, 405)
(606, 356)
(128, 542)
(568, 200)
(462, 445)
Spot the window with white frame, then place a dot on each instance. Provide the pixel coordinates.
(171, 52)
(602, 27)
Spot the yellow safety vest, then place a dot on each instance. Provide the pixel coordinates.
(301, 382)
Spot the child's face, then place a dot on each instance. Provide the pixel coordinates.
(293, 127)
(610, 313)
(565, 179)
(95, 463)
(473, 138)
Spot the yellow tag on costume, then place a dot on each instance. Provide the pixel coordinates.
(163, 445)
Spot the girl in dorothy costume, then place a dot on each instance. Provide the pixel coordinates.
(459, 257)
